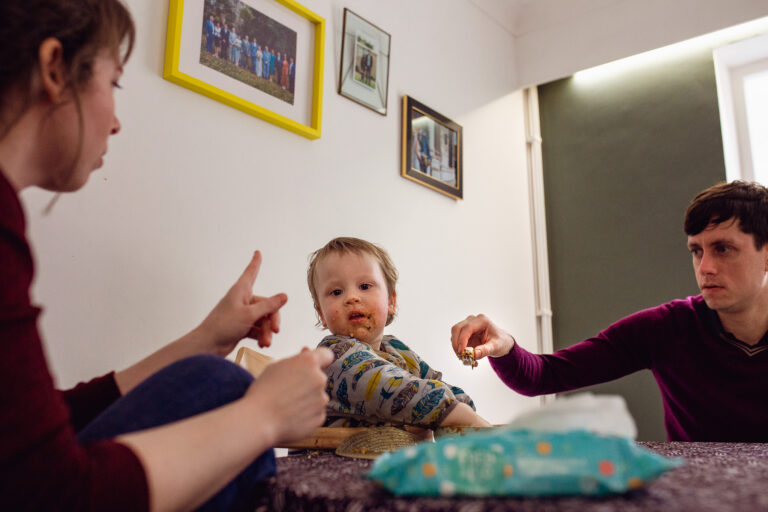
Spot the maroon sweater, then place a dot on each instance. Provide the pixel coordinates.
(42, 465)
(714, 387)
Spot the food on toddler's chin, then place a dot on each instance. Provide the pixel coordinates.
(467, 357)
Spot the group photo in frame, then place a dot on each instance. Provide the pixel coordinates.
(364, 71)
(249, 46)
(263, 57)
(431, 149)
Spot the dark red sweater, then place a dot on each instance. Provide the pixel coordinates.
(714, 387)
(42, 465)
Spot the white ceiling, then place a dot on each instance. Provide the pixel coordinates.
(555, 38)
(504, 12)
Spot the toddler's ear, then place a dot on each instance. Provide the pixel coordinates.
(321, 318)
(392, 307)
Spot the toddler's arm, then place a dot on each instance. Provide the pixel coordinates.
(464, 415)
(427, 372)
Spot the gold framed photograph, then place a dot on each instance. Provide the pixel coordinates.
(263, 57)
(364, 71)
(431, 149)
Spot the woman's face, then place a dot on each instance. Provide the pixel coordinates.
(97, 105)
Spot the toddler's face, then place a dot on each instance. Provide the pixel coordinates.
(353, 297)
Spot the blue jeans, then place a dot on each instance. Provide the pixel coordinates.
(186, 388)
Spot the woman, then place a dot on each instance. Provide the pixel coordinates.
(181, 429)
(232, 38)
(217, 39)
(237, 45)
(285, 73)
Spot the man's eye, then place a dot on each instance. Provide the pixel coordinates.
(723, 249)
(696, 252)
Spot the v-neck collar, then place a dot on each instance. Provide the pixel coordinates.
(750, 350)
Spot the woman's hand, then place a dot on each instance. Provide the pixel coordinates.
(482, 334)
(187, 461)
(291, 394)
(241, 314)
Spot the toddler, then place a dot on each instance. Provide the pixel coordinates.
(374, 379)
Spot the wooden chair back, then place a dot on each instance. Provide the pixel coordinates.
(253, 361)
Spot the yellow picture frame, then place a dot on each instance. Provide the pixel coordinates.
(171, 72)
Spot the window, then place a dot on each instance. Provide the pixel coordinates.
(742, 84)
(756, 104)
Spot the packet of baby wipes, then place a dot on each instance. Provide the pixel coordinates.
(506, 462)
(601, 414)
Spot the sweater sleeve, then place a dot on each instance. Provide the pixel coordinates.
(625, 347)
(364, 385)
(89, 399)
(42, 464)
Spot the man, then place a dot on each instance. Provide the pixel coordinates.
(225, 42)
(267, 56)
(425, 158)
(209, 26)
(366, 64)
(708, 353)
(232, 40)
(292, 76)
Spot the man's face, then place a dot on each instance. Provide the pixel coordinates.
(732, 275)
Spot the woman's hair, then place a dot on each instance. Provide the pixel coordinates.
(84, 28)
(345, 245)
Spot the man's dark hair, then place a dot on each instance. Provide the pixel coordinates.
(744, 201)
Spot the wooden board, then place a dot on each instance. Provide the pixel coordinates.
(329, 438)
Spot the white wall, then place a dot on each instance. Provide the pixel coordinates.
(191, 187)
(556, 38)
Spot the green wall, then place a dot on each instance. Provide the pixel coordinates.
(623, 156)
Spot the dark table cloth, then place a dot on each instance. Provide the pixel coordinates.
(716, 477)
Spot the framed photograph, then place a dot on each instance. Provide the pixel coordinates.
(364, 72)
(264, 57)
(432, 149)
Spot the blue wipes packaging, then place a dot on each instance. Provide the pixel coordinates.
(506, 462)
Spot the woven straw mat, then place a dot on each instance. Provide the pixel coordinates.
(374, 442)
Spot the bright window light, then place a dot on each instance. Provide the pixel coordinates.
(672, 51)
(756, 99)
(637, 62)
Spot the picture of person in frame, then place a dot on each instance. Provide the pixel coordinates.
(433, 149)
(365, 62)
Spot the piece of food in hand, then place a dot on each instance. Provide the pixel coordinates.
(467, 357)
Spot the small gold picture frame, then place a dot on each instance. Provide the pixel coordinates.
(432, 149)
